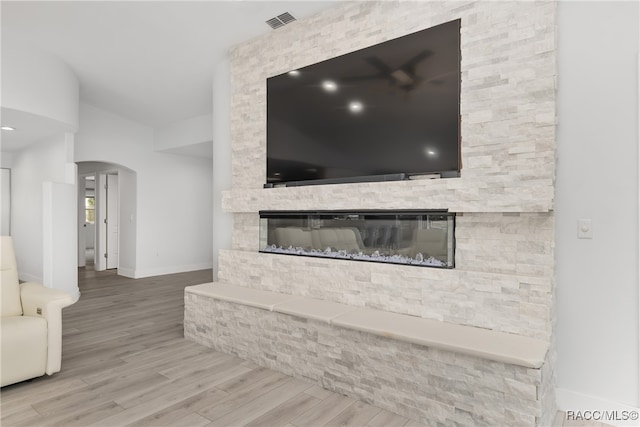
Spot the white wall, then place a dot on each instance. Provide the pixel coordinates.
(5, 201)
(59, 266)
(173, 193)
(222, 221)
(127, 258)
(597, 178)
(31, 167)
(36, 82)
(36, 170)
(6, 160)
(40, 92)
(195, 130)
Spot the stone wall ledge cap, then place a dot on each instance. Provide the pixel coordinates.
(265, 300)
(473, 341)
(483, 343)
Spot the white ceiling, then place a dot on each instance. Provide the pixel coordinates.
(150, 61)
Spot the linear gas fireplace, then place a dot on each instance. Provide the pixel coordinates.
(420, 238)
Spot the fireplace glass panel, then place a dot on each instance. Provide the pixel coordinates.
(408, 237)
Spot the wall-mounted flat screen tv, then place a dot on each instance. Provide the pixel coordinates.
(389, 111)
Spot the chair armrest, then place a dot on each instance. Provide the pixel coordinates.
(49, 301)
(39, 301)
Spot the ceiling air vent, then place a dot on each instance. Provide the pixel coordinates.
(280, 20)
(286, 18)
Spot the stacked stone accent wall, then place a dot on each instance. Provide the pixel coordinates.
(503, 278)
(507, 92)
(504, 255)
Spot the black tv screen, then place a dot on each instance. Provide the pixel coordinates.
(387, 110)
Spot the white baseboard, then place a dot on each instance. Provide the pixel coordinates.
(76, 296)
(127, 272)
(161, 271)
(597, 409)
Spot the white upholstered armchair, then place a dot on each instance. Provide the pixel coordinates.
(31, 323)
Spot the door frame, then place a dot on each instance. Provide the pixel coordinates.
(101, 220)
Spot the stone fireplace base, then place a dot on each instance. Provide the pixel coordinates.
(429, 385)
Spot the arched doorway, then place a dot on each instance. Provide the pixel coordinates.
(106, 217)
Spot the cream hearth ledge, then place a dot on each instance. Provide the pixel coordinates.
(482, 343)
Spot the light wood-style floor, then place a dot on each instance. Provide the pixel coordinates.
(125, 362)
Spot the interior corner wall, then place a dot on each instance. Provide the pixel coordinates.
(128, 188)
(38, 163)
(5, 201)
(173, 193)
(597, 179)
(222, 221)
(6, 160)
(195, 130)
(59, 267)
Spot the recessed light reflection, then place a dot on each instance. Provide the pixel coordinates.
(356, 107)
(430, 152)
(7, 128)
(329, 86)
(294, 73)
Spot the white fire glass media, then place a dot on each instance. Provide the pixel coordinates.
(415, 238)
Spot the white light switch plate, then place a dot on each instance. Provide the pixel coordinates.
(585, 229)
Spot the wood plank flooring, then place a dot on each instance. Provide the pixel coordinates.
(126, 363)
